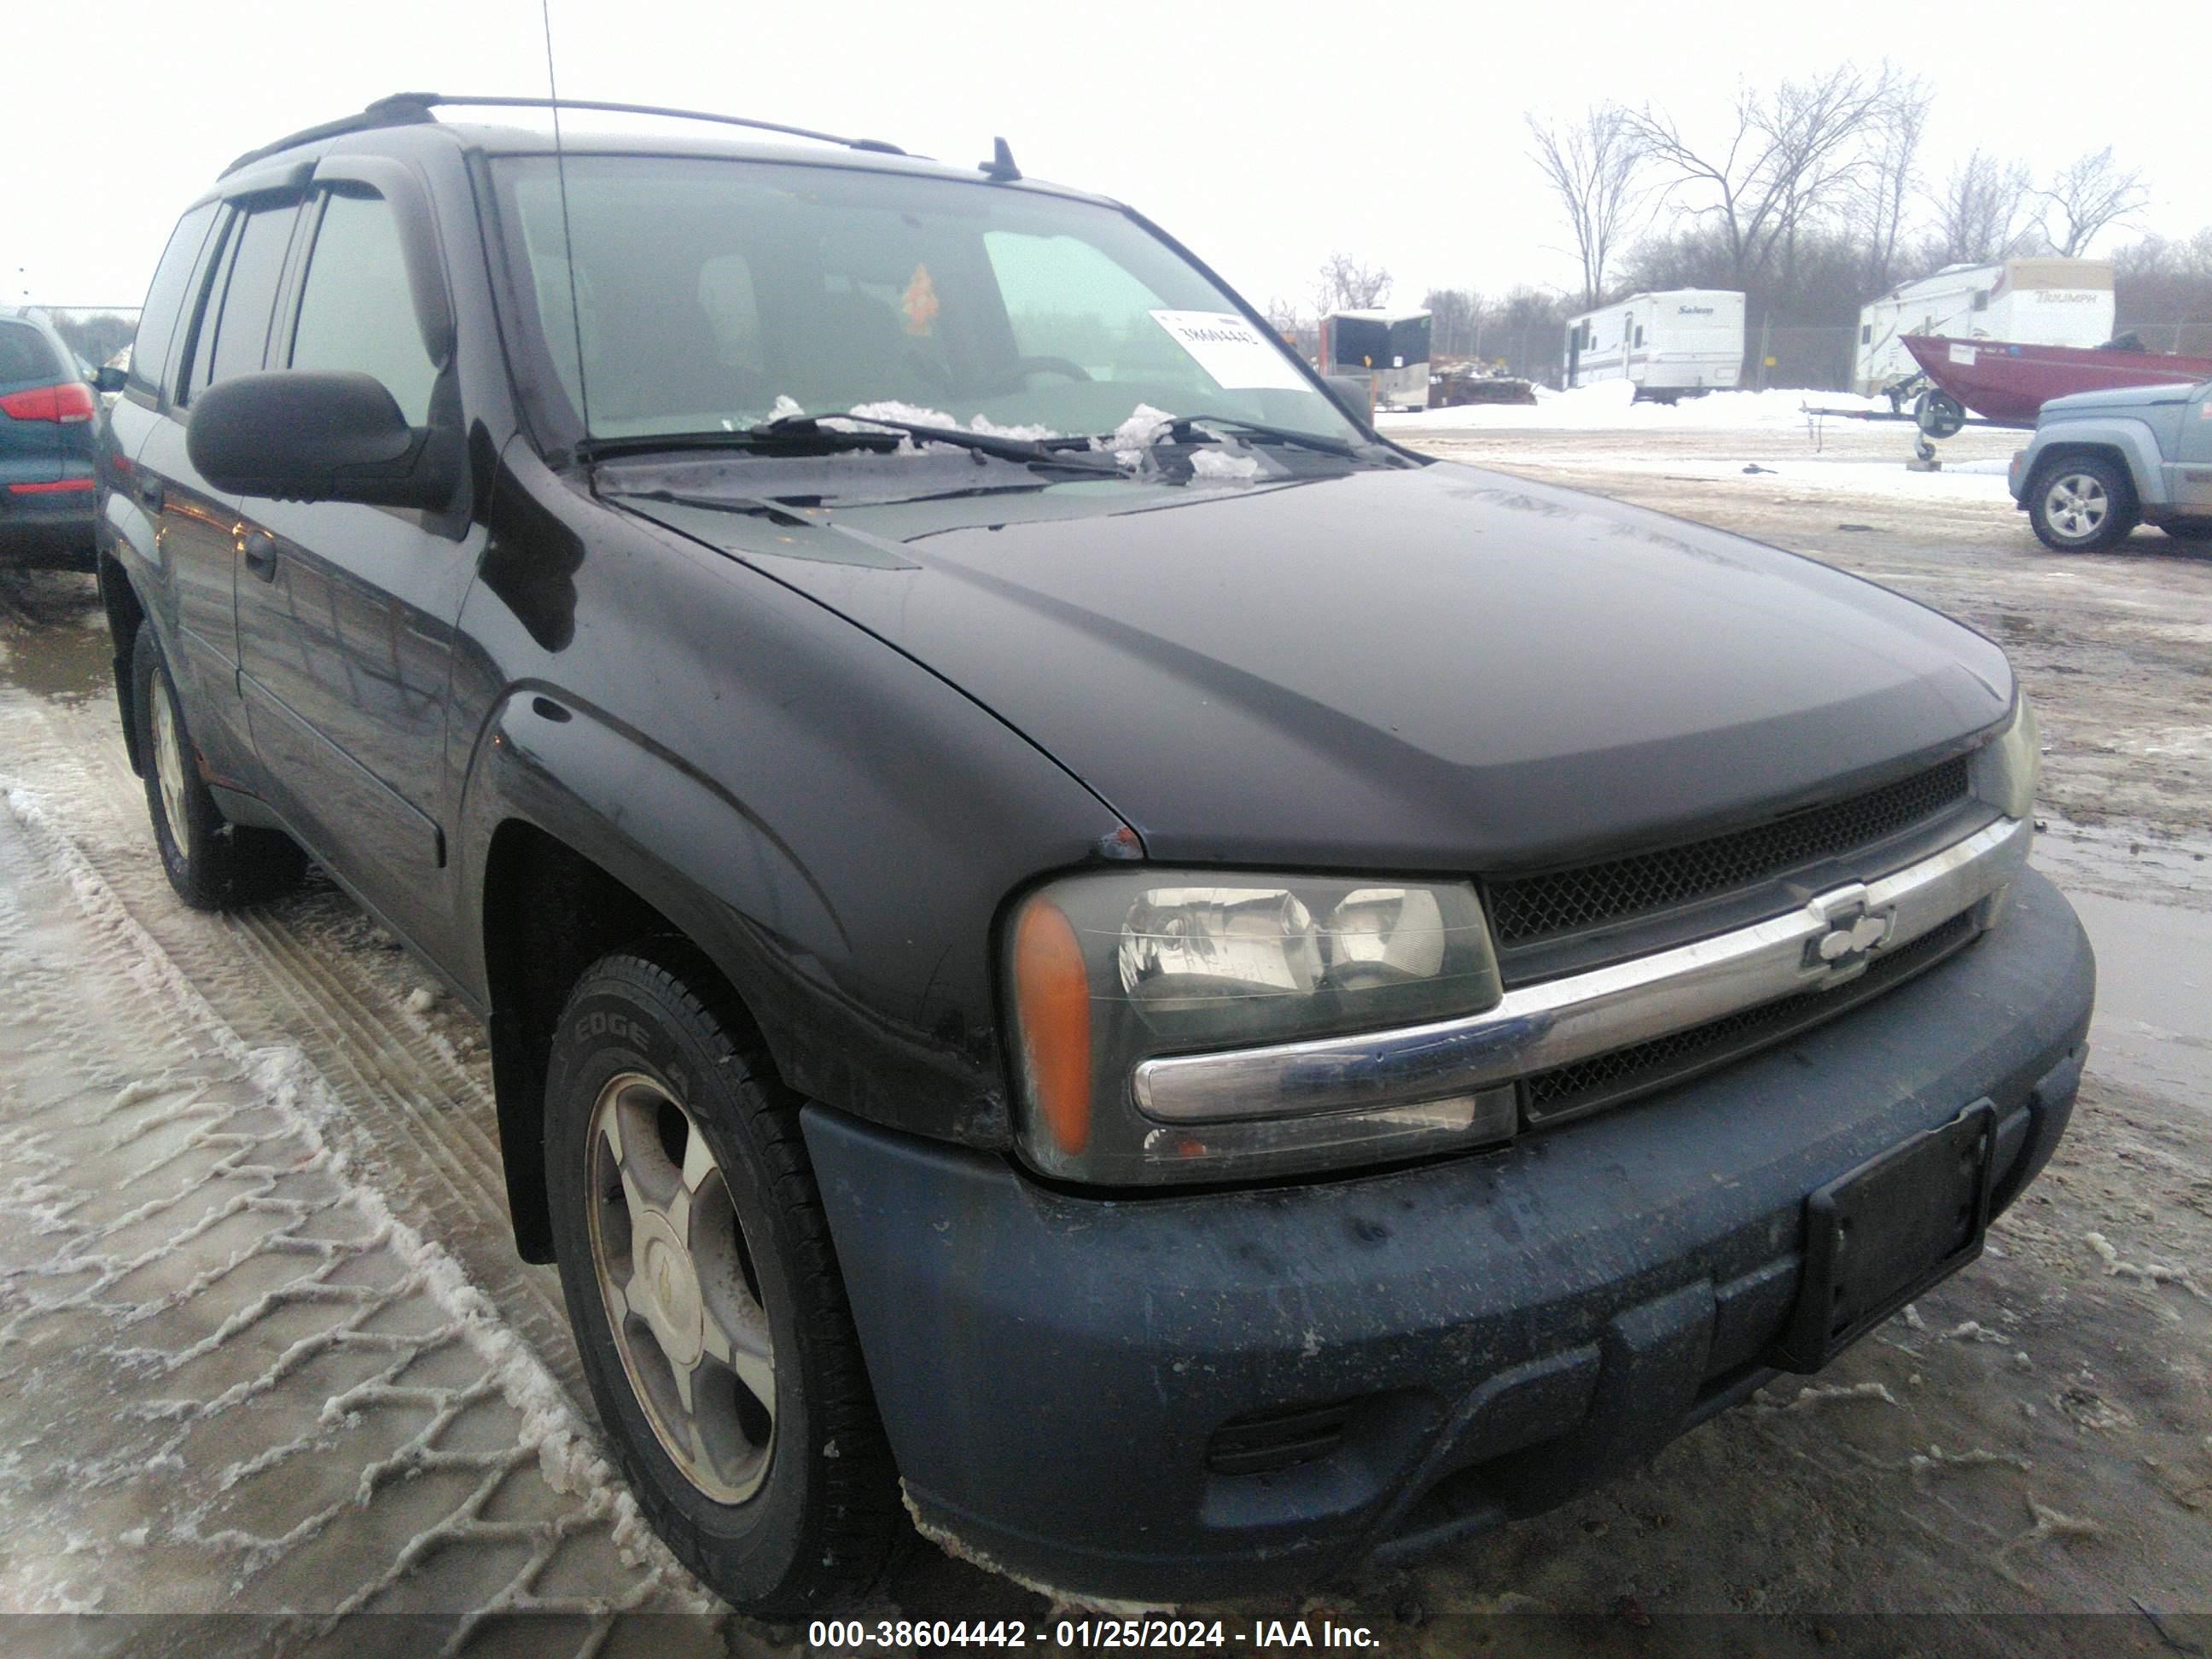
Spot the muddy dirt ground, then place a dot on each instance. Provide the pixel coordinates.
(2032, 1439)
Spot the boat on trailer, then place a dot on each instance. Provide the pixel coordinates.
(2008, 382)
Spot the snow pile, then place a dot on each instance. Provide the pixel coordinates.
(1133, 436)
(2149, 1273)
(1612, 404)
(914, 415)
(1212, 464)
(1814, 1396)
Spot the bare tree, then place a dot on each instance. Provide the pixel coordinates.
(1980, 213)
(1893, 181)
(1458, 316)
(1593, 166)
(1786, 157)
(1302, 335)
(2086, 197)
(1345, 284)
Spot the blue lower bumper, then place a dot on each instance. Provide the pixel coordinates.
(1179, 1397)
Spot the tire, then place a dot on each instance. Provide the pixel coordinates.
(783, 1508)
(212, 863)
(1939, 415)
(2082, 504)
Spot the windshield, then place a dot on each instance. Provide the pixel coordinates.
(712, 295)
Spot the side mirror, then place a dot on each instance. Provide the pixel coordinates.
(1354, 395)
(319, 435)
(108, 379)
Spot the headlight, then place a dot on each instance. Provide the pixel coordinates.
(1112, 967)
(2004, 769)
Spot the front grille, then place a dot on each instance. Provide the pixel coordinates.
(1608, 1078)
(1524, 908)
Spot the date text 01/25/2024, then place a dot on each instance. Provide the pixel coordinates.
(1262, 1636)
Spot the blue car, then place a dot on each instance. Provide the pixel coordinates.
(47, 416)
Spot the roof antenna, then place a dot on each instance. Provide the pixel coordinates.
(567, 241)
(1001, 168)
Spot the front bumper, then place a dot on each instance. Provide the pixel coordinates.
(1071, 1383)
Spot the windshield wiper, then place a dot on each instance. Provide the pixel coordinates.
(1057, 452)
(1242, 427)
(806, 434)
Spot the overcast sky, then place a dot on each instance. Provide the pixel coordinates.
(1264, 135)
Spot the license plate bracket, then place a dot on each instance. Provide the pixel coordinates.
(1878, 1235)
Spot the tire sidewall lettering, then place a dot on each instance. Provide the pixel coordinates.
(595, 1030)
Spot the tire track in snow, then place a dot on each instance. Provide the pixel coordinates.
(326, 1270)
(278, 973)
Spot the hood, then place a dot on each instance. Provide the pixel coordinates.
(1428, 669)
(2122, 396)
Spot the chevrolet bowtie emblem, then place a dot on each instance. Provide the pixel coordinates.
(1851, 931)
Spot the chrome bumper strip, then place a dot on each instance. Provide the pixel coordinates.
(1828, 941)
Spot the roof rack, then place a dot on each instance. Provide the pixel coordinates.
(404, 109)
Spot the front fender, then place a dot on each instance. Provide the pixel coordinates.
(834, 825)
(2132, 440)
(702, 858)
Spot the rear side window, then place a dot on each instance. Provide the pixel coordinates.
(234, 328)
(25, 355)
(165, 299)
(356, 311)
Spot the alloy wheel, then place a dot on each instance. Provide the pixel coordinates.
(169, 763)
(682, 1296)
(2076, 504)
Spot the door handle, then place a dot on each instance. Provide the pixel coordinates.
(259, 551)
(151, 496)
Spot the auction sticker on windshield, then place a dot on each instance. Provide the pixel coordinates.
(1236, 355)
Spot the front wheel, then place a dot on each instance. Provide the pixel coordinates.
(2081, 505)
(700, 1280)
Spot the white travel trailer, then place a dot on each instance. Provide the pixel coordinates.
(1679, 344)
(2050, 301)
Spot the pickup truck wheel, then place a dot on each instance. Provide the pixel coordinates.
(2082, 504)
(704, 1290)
(210, 862)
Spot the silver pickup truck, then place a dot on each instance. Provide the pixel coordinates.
(2103, 462)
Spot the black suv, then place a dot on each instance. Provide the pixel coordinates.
(1067, 933)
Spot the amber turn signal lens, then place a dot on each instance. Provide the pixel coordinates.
(1052, 997)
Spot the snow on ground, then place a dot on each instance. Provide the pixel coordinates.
(1775, 440)
(1612, 404)
(1980, 480)
(232, 1379)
